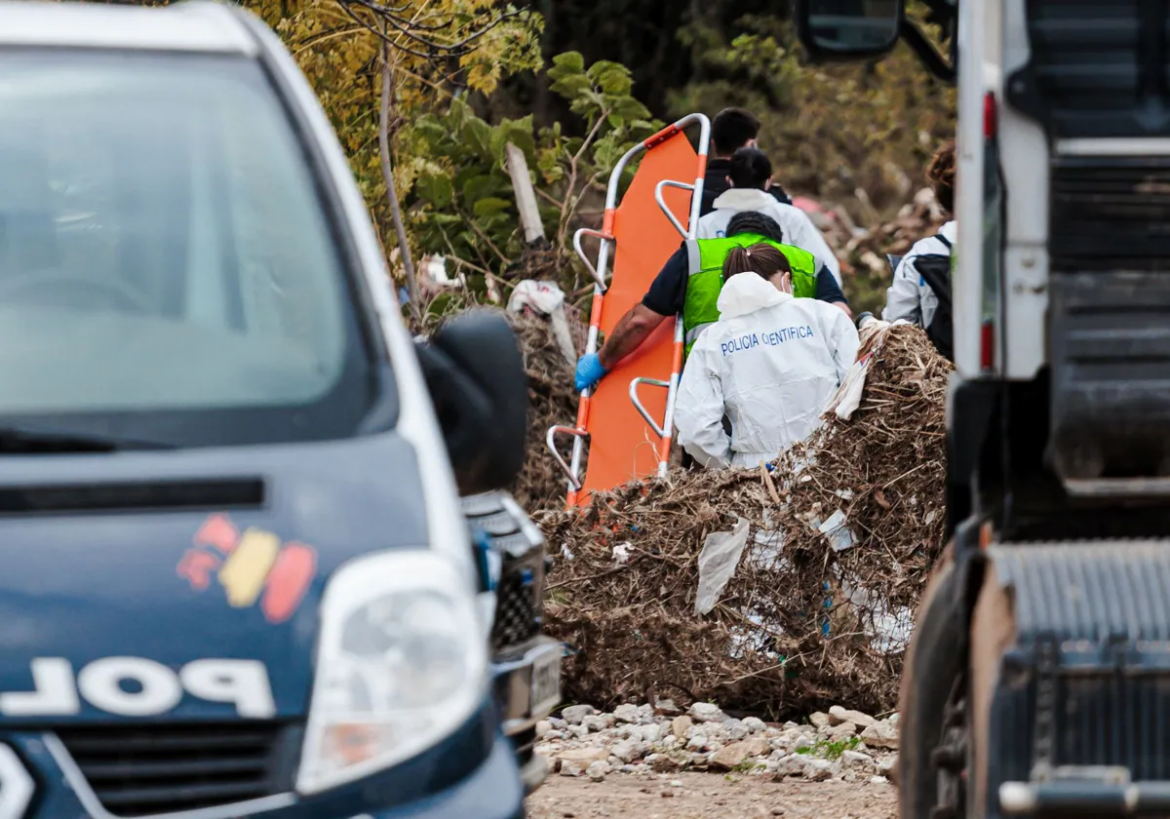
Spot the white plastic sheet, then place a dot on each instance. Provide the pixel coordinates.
(717, 563)
(848, 396)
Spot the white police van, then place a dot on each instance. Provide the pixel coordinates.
(238, 579)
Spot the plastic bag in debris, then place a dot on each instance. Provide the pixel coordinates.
(888, 629)
(848, 396)
(717, 562)
(836, 532)
(547, 299)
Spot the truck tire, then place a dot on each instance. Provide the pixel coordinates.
(934, 665)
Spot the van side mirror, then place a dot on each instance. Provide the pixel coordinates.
(849, 29)
(475, 375)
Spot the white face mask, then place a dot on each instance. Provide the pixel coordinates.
(782, 282)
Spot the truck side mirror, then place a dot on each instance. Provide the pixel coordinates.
(475, 375)
(849, 29)
(864, 29)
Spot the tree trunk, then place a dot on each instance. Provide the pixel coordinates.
(391, 190)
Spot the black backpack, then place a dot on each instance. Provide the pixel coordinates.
(935, 271)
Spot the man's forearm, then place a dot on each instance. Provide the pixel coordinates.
(628, 334)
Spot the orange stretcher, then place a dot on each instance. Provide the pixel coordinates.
(658, 211)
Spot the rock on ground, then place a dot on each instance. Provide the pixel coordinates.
(818, 770)
(643, 743)
(881, 735)
(574, 714)
(706, 712)
(838, 715)
(626, 713)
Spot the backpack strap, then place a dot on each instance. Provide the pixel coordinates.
(943, 239)
(934, 269)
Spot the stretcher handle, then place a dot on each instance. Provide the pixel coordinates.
(596, 234)
(654, 382)
(551, 441)
(670, 183)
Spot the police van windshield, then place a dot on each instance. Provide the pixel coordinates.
(167, 268)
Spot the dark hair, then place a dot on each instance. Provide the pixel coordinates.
(750, 168)
(752, 221)
(941, 174)
(732, 128)
(761, 259)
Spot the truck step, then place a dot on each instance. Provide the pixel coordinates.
(1080, 714)
(1085, 796)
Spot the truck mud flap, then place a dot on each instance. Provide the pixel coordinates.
(1075, 713)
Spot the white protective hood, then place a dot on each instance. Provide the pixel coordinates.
(770, 363)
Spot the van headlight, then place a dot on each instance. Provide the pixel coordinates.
(401, 663)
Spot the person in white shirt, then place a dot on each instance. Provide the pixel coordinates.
(770, 364)
(750, 175)
(921, 290)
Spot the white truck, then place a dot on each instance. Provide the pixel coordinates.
(1036, 683)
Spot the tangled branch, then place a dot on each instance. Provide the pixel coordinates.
(405, 29)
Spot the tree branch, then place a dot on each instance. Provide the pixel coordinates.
(411, 29)
(391, 189)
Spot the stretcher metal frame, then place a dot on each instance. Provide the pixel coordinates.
(605, 237)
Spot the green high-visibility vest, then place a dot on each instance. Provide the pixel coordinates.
(705, 259)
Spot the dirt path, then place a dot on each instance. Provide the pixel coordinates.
(709, 796)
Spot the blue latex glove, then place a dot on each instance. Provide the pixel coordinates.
(589, 371)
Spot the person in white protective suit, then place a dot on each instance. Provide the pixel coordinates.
(921, 290)
(750, 175)
(770, 364)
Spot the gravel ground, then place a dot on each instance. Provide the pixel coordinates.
(649, 762)
(709, 796)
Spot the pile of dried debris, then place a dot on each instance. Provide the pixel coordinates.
(774, 591)
(551, 400)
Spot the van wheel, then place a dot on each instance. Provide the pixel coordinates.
(933, 748)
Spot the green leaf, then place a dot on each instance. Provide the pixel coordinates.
(571, 62)
(480, 187)
(571, 86)
(498, 224)
(490, 206)
(444, 219)
(590, 102)
(477, 135)
(430, 130)
(548, 165)
(615, 121)
(457, 116)
(435, 189)
(613, 78)
(606, 152)
(465, 174)
(630, 109)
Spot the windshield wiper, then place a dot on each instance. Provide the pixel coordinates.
(21, 439)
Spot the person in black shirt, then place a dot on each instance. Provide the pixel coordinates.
(668, 293)
(732, 129)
